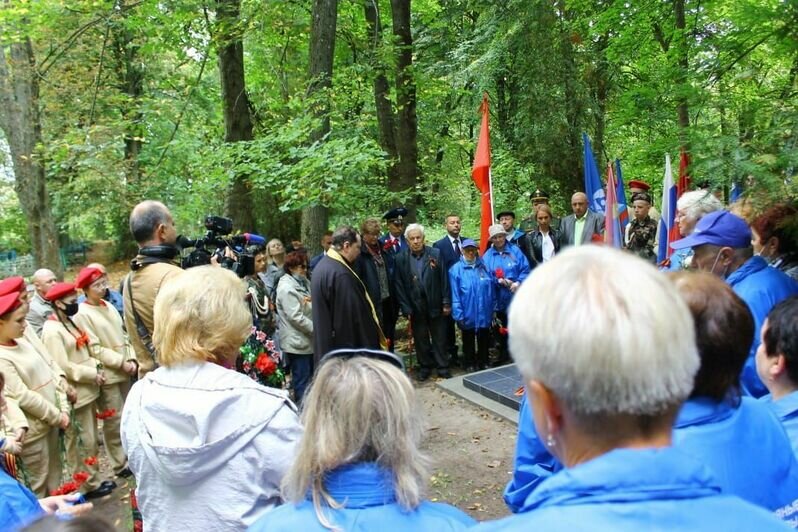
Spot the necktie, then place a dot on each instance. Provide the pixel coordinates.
(456, 245)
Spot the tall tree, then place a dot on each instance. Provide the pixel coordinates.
(235, 104)
(315, 219)
(21, 123)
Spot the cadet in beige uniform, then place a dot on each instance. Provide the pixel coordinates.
(71, 348)
(103, 322)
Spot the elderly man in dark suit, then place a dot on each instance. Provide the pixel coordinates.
(581, 226)
(451, 246)
(422, 286)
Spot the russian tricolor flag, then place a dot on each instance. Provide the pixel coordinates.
(668, 230)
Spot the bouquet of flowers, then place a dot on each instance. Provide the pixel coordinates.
(260, 360)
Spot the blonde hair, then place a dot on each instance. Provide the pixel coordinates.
(370, 226)
(358, 410)
(606, 332)
(200, 315)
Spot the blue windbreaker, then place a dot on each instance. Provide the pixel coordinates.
(636, 489)
(786, 409)
(745, 447)
(761, 287)
(18, 505)
(367, 494)
(513, 264)
(473, 294)
(533, 462)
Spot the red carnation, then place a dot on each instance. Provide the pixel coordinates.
(503, 331)
(265, 364)
(499, 273)
(90, 461)
(80, 477)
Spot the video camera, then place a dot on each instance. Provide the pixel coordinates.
(216, 239)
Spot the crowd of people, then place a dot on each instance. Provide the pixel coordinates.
(656, 396)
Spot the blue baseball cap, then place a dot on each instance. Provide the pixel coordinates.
(468, 243)
(719, 228)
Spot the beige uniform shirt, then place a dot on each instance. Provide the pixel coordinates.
(109, 345)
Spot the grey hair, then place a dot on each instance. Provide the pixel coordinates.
(612, 338)
(342, 235)
(145, 219)
(414, 227)
(697, 203)
(358, 410)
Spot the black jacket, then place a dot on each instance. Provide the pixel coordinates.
(448, 255)
(536, 238)
(428, 293)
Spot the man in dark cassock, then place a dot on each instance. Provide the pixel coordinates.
(343, 313)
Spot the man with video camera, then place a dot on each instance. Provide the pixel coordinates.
(153, 228)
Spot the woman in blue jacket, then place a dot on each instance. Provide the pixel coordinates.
(738, 438)
(605, 381)
(359, 466)
(473, 304)
(509, 267)
(777, 365)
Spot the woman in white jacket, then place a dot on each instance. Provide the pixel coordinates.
(208, 446)
(295, 321)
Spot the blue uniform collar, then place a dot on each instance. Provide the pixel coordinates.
(786, 407)
(626, 475)
(361, 485)
(752, 265)
(703, 410)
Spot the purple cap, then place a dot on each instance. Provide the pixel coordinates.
(468, 243)
(719, 228)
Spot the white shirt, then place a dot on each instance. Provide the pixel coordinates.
(547, 246)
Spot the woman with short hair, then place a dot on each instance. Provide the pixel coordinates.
(735, 436)
(777, 365)
(607, 363)
(207, 445)
(691, 207)
(295, 321)
(359, 465)
(774, 239)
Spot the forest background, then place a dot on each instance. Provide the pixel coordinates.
(292, 116)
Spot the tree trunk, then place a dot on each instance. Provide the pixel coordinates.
(382, 104)
(235, 107)
(21, 123)
(682, 61)
(407, 168)
(322, 49)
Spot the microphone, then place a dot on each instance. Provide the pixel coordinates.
(252, 238)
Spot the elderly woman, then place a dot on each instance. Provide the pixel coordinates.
(773, 238)
(605, 385)
(509, 267)
(738, 439)
(370, 473)
(691, 207)
(295, 321)
(207, 445)
(777, 365)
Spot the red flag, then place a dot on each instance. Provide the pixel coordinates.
(684, 177)
(480, 173)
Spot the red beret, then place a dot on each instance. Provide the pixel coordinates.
(9, 302)
(12, 285)
(87, 276)
(639, 184)
(59, 290)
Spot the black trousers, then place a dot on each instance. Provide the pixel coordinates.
(390, 313)
(501, 339)
(429, 335)
(478, 357)
(451, 338)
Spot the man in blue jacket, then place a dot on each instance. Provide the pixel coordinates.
(473, 303)
(721, 244)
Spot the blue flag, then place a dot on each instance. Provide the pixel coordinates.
(593, 188)
(620, 197)
(736, 192)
